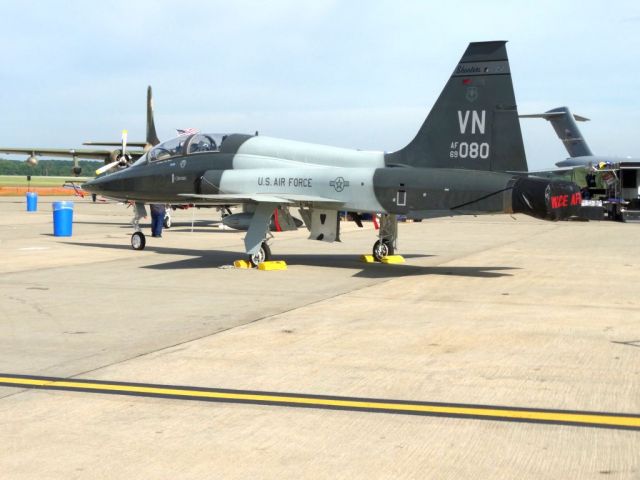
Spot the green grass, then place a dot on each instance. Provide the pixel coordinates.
(21, 181)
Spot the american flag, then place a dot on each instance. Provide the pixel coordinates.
(187, 131)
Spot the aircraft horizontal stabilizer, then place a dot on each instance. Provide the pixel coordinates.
(546, 115)
(554, 114)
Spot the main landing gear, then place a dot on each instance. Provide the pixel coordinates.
(381, 249)
(256, 240)
(387, 237)
(262, 255)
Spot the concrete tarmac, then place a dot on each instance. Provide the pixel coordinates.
(493, 310)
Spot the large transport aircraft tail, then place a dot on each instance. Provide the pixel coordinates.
(564, 123)
(474, 123)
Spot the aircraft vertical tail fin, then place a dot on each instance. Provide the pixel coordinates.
(564, 123)
(474, 123)
(152, 136)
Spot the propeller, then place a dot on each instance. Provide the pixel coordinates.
(124, 142)
(122, 158)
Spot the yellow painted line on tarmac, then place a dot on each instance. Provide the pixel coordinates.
(561, 417)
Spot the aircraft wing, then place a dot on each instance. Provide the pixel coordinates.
(94, 154)
(116, 144)
(545, 171)
(284, 198)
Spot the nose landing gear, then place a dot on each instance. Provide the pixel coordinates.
(138, 241)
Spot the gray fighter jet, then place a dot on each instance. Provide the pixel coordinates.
(458, 163)
(565, 126)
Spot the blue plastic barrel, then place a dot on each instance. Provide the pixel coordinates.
(32, 201)
(62, 219)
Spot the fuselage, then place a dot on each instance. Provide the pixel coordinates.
(354, 180)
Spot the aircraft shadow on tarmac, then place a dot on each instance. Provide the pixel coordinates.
(187, 229)
(115, 224)
(217, 258)
(197, 223)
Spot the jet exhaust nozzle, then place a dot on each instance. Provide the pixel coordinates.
(546, 199)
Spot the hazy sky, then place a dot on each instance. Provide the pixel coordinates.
(353, 74)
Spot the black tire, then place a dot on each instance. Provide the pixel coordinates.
(167, 222)
(138, 241)
(382, 248)
(263, 255)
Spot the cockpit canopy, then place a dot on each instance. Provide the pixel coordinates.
(187, 145)
(205, 142)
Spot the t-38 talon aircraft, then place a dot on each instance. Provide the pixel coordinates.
(459, 162)
(111, 157)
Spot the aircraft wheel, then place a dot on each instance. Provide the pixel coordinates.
(262, 255)
(138, 241)
(167, 222)
(382, 248)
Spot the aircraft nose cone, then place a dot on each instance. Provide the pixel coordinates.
(90, 186)
(98, 185)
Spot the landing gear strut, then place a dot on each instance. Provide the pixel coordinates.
(387, 238)
(255, 241)
(262, 255)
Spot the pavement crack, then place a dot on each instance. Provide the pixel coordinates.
(33, 305)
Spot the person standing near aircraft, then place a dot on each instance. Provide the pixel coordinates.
(158, 212)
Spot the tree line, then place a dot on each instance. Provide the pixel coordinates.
(47, 168)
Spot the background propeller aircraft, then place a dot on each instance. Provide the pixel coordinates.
(111, 157)
(457, 163)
